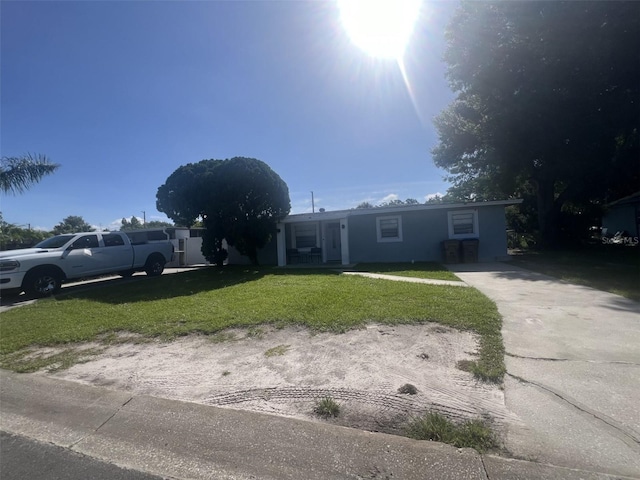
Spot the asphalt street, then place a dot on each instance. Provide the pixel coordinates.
(22, 458)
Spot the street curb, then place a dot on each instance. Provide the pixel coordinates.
(188, 440)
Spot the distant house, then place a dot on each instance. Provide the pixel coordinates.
(392, 234)
(623, 215)
(187, 243)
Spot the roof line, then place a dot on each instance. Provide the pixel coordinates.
(395, 209)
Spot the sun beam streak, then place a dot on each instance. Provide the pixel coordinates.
(412, 94)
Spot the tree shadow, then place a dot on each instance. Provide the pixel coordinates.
(142, 288)
(10, 300)
(508, 271)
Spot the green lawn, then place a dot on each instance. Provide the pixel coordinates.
(611, 268)
(210, 300)
(418, 270)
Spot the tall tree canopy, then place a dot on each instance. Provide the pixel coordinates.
(136, 224)
(240, 200)
(133, 224)
(16, 236)
(19, 173)
(72, 224)
(547, 105)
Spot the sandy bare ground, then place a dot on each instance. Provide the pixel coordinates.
(286, 371)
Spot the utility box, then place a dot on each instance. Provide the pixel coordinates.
(470, 250)
(451, 250)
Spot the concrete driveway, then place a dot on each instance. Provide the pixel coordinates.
(573, 363)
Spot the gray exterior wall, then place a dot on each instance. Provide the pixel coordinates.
(422, 234)
(492, 225)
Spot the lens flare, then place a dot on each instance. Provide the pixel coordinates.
(382, 28)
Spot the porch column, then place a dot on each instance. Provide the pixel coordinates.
(344, 240)
(281, 245)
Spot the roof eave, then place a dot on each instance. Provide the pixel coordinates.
(338, 214)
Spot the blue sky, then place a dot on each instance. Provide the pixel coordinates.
(122, 93)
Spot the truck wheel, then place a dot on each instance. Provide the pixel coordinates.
(42, 283)
(154, 265)
(125, 273)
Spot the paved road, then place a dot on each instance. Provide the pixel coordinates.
(23, 458)
(573, 363)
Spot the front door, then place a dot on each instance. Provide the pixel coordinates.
(334, 247)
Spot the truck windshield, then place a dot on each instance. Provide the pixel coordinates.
(54, 242)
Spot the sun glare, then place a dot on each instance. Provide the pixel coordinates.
(381, 28)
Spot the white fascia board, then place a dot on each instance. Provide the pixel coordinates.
(340, 214)
(435, 206)
(315, 217)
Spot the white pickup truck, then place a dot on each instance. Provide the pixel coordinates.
(41, 270)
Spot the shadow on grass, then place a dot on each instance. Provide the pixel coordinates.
(144, 289)
(610, 268)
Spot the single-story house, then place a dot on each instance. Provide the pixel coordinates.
(402, 233)
(623, 215)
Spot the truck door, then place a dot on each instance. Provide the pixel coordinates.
(117, 255)
(83, 258)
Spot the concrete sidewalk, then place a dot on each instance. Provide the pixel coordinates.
(573, 363)
(398, 278)
(187, 440)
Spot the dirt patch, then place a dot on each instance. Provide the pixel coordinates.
(285, 372)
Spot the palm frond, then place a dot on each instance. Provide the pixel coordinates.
(19, 173)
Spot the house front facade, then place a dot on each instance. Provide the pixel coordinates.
(392, 234)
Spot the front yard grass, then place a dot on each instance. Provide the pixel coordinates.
(429, 270)
(211, 300)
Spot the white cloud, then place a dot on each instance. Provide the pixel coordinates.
(429, 196)
(388, 198)
(114, 225)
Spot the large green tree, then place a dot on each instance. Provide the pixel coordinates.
(72, 224)
(547, 105)
(157, 224)
(239, 200)
(19, 173)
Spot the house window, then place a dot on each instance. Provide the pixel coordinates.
(463, 224)
(305, 235)
(389, 229)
